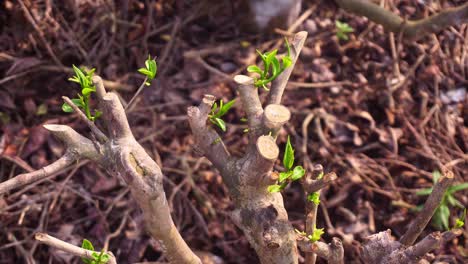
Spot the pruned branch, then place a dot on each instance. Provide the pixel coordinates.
(94, 129)
(410, 29)
(251, 105)
(315, 185)
(279, 84)
(381, 248)
(71, 249)
(77, 146)
(28, 178)
(121, 155)
(431, 204)
(333, 252)
(208, 141)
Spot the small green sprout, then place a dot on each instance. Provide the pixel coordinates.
(342, 30)
(291, 174)
(272, 66)
(149, 71)
(84, 79)
(442, 214)
(217, 113)
(101, 258)
(460, 222)
(318, 232)
(314, 197)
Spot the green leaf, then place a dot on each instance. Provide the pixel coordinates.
(274, 188)
(287, 62)
(284, 176)
(458, 187)
(87, 245)
(436, 176)
(276, 66)
(320, 176)
(144, 71)
(87, 91)
(74, 79)
(425, 191)
(225, 108)
(452, 201)
(220, 123)
(318, 232)
(297, 173)
(41, 109)
(105, 258)
(288, 159)
(67, 108)
(270, 56)
(314, 197)
(79, 74)
(302, 233)
(255, 69)
(444, 216)
(460, 221)
(97, 114)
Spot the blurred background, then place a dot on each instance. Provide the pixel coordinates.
(382, 113)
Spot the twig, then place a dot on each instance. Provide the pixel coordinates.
(27, 178)
(411, 30)
(94, 129)
(69, 248)
(128, 106)
(279, 84)
(431, 204)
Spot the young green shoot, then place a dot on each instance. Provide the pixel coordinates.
(314, 237)
(272, 67)
(217, 113)
(460, 221)
(101, 258)
(84, 79)
(150, 70)
(342, 30)
(442, 214)
(291, 174)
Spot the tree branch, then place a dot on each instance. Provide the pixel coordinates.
(333, 252)
(69, 248)
(208, 142)
(431, 204)
(412, 29)
(251, 105)
(28, 178)
(279, 84)
(101, 137)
